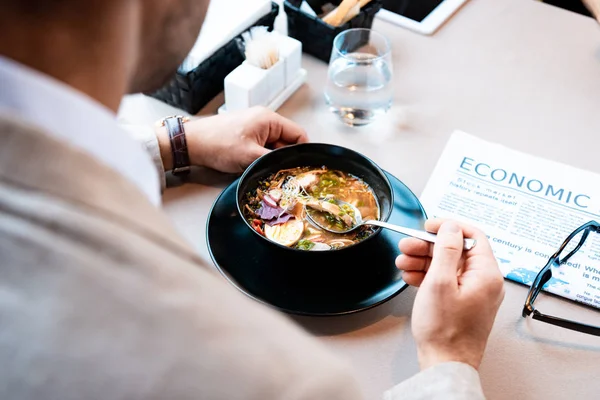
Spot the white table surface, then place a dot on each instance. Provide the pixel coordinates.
(516, 72)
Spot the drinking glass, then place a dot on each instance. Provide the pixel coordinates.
(359, 85)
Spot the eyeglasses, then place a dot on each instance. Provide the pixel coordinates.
(545, 275)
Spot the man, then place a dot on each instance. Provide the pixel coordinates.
(572, 5)
(100, 298)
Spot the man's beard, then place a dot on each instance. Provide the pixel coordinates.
(153, 78)
(164, 49)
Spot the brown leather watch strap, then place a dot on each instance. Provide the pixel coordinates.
(181, 158)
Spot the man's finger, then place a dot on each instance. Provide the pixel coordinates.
(413, 278)
(447, 253)
(255, 151)
(482, 246)
(410, 263)
(415, 247)
(279, 144)
(284, 130)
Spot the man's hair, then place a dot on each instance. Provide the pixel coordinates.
(35, 5)
(41, 8)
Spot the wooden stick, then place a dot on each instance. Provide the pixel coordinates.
(356, 10)
(340, 13)
(353, 12)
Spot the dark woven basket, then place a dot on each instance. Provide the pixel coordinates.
(193, 90)
(316, 36)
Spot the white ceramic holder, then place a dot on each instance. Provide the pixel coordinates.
(248, 86)
(282, 97)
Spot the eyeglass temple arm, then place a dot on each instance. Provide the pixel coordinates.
(586, 228)
(574, 326)
(536, 287)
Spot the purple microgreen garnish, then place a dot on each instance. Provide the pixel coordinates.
(267, 212)
(281, 220)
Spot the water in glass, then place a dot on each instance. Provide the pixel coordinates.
(359, 88)
(359, 85)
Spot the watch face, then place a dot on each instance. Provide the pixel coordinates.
(181, 171)
(163, 121)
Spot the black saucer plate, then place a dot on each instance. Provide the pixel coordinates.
(341, 282)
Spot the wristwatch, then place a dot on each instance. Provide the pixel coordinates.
(179, 150)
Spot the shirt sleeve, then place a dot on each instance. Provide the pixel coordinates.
(146, 136)
(448, 381)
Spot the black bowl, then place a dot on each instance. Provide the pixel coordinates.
(318, 155)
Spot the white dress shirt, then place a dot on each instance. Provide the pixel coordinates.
(82, 122)
(74, 117)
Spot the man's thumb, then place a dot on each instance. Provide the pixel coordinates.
(447, 252)
(255, 151)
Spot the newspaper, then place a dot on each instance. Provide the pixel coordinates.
(526, 206)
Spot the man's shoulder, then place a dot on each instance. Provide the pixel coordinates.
(97, 308)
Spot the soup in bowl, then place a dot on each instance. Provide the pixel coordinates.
(276, 191)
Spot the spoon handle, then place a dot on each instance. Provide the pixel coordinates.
(423, 235)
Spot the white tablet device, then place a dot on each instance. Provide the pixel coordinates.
(423, 16)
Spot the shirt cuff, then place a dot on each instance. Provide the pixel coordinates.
(451, 380)
(146, 136)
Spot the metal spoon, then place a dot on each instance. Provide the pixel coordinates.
(358, 222)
